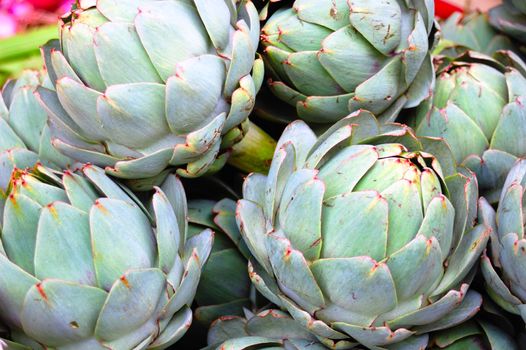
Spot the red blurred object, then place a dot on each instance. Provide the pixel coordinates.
(48, 5)
(7, 25)
(19, 15)
(444, 9)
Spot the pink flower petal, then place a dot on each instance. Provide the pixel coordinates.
(7, 25)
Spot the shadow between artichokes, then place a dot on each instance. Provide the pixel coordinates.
(363, 237)
(225, 288)
(330, 58)
(85, 266)
(142, 86)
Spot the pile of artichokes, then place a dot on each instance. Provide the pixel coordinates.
(374, 200)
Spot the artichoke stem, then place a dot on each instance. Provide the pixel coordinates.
(254, 153)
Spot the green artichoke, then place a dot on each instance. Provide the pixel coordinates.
(489, 330)
(85, 266)
(273, 329)
(361, 236)
(23, 122)
(225, 287)
(269, 329)
(327, 58)
(474, 32)
(479, 108)
(505, 266)
(142, 86)
(510, 18)
(24, 134)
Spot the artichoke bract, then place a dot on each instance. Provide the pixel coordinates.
(361, 236)
(489, 330)
(474, 32)
(142, 86)
(510, 18)
(269, 329)
(85, 266)
(504, 268)
(329, 58)
(479, 108)
(274, 329)
(25, 138)
(23, 122)
(224, 288)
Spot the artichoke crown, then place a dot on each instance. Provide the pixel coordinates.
(86, 266)
(142, 86)
(478, 107)
(327, 58)
(361, 236)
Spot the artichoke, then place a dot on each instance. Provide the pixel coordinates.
(225, 287)
(85, 266)
(274, 329)
(269, 329)
(177, 96)
(474, 32)
(361, 236)
(327, 58)
(23, 122)
(510, 18)
(479, 108)
(489, 330)
(24, 134)
(503, 269)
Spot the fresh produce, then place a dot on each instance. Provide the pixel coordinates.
(510, 18)
(489, 330)
(479, 108)
(505, 265)
(363, 237)
(225, 287)
(23, 122)
(277, 330)
(329, 58)
(381, 220)
(474, 32)
(178, 96)
(269, 329)
(85, 266)
(24, 134)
